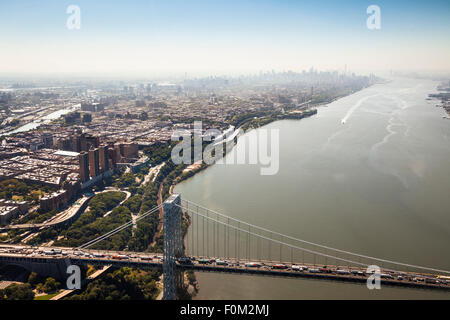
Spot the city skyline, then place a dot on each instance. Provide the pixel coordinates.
(148, 38)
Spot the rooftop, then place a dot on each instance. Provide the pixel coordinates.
(66, 153)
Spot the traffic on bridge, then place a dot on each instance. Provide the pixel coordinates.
(211, 264)
(215, 242)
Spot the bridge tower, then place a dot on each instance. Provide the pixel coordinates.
(173, 246)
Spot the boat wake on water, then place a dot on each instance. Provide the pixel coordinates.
(355, 106)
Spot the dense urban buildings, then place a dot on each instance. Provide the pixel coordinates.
(105, 126)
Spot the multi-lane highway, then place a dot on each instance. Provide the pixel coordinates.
(145, 260)
(58, 219)
(68, 214)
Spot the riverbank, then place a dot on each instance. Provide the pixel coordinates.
(297, 113)
(343, 186)
(255, 123)
(251, 124)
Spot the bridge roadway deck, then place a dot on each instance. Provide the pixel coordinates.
(154, 260)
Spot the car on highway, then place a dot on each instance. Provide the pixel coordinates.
(431, 280)
(325, 269)
(279, 266)
(146, 258)
(253, 265)
(295, 267)
(185, 260)
(121, 257)
(204, 261)
(342, 272)
(221, 262)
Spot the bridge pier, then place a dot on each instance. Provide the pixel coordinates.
(173, 246)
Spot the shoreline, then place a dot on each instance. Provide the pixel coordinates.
(204, 166)
(206, 281)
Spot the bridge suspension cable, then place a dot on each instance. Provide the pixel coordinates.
(302, 241)
(293, 246)
(118, 229)
(248, 232)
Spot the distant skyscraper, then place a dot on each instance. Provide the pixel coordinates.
(104, 158)
(47, 139)
(84, 166)
(130, 150)
(87, 118)
(112, 157)
(87, 142)
(94, 167)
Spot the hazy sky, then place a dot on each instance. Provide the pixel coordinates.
(148, 37)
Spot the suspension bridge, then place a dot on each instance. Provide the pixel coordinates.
(200, 239)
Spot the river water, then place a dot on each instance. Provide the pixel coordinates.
(370, 173)
(43, 120)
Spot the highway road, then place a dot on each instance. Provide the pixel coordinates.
(55, 220)
(152, 260)
(67, 214)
